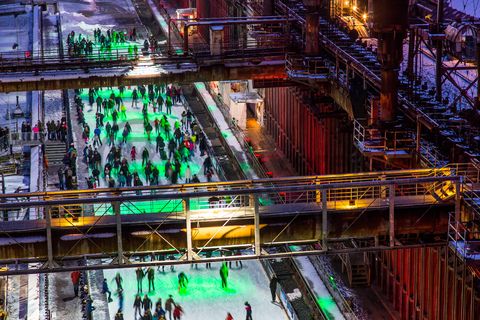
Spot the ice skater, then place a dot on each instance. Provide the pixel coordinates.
(273, 287)
(229, 316)
(151, 279)
(182, 281)
(147, 303)
(169, 305)
(177, 313)
(224, 275)
(140, 275)
(120, 300)
(105, 290)
(248, 311)
(137, 306)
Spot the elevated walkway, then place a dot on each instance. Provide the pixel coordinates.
(263, 213)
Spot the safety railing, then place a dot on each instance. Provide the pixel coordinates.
(389, 142)
(343, 192)
(464, 237)
(301, 67)
(28, 58)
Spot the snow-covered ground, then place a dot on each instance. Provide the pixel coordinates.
(227, 133)
(204, 297)
(23, 299)
(322, 295)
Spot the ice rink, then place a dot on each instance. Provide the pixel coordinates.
(204, 297)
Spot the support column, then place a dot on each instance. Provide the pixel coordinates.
(439, 53)
(324, 219)
(311, 38)
(418, 139)
(458, 191)
(411, 54)
(186, 211)
(48, 218)
(390, 23)
(118, 222)
(391, 215)
(258, 249)
(312, 28)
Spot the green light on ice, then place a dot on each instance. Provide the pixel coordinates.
(327, 304)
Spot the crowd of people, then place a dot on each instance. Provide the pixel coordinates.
(143, 307)
(81, 45)
(105, 41)
(54, 130)
(175, 140)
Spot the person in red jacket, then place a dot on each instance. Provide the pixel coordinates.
(75, 276)
(177, 313)
(229, 316)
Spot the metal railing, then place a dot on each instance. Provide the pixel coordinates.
(343, 192)
(464, 238)
(372, 140)
(301, 67)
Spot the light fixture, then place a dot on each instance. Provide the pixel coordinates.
(364, 16)
(354, 8)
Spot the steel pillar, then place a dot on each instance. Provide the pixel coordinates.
(312, 47)
(118, 223)
(186, 211)
(48, 218)
(390, 23)
(324, 219)
(439, 53)
(391, 215)
(257, 226)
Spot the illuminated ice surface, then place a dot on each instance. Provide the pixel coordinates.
(204, 297)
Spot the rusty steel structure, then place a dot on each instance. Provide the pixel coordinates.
(336, 101)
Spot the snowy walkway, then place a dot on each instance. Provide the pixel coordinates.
(227, 133)
(325, 301)
(204, 297)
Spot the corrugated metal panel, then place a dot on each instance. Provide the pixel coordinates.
(313, 141)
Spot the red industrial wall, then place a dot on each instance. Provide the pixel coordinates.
(313, 141)
(212, 9)
(420, 284)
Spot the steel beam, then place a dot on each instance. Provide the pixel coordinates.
(263, 255)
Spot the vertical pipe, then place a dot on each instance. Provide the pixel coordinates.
(391, 216)
(187, 213)
(439, 53)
